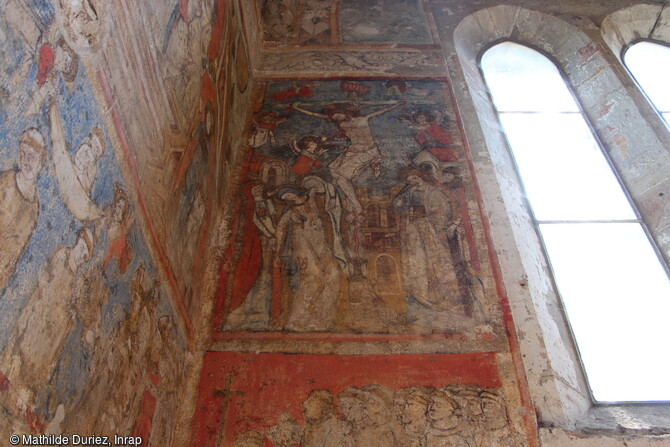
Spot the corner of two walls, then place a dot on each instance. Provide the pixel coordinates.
(118, 132)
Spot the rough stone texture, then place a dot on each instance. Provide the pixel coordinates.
(647, 419)
(559, 438)
(633, 23)
(605, 98)
(544, 365)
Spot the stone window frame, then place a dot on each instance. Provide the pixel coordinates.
(536, 222)
(620, 116)
(628, 26)
(623, 53)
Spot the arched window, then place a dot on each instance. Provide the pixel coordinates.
(615, 290)
(649, 63)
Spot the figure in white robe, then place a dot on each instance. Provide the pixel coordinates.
(437, 294)
(47, 318)
(309, 264)
(75, 180)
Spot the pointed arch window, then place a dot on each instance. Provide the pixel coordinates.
(614, 288)
(649, 63)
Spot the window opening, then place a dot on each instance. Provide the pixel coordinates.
(614, 288)
(649, 63)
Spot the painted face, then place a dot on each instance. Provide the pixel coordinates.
(209, 122)
(312, 146)
(493, 414)
(30, 162)
(194, 10)
(471, 406)
(84, 159)
(375, 410)
(62, 60)
(119, 207)
(352, 410)
(442, 414)
(414, 180)
(448, 177)
(267, 119)
(340, 117)
(75, 5)
(97, 146)
(413, 412)
(80, 252)
(287, 435)
(294, 199)
(314, 409)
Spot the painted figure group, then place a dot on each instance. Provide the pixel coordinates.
(88, 342)
(67, 297)
(376, 416)
(327, 250)
(70, 295)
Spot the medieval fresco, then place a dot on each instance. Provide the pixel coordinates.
(88, 339)
(299, 21)
(177, 104)
(280, 400)
(356, 214)
(318, 22)
(382, 21)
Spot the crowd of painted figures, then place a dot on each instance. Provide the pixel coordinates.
(376, 416)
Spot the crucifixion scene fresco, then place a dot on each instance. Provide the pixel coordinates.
(357, 214)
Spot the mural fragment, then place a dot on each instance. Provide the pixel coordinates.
(88, 342)
(382, 21)
(357, 216)
(185, 79)
(319, 22)
(299, 21)
(284, 400)
(19, 203)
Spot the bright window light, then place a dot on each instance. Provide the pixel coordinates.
(614, 288)
(649, 63)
